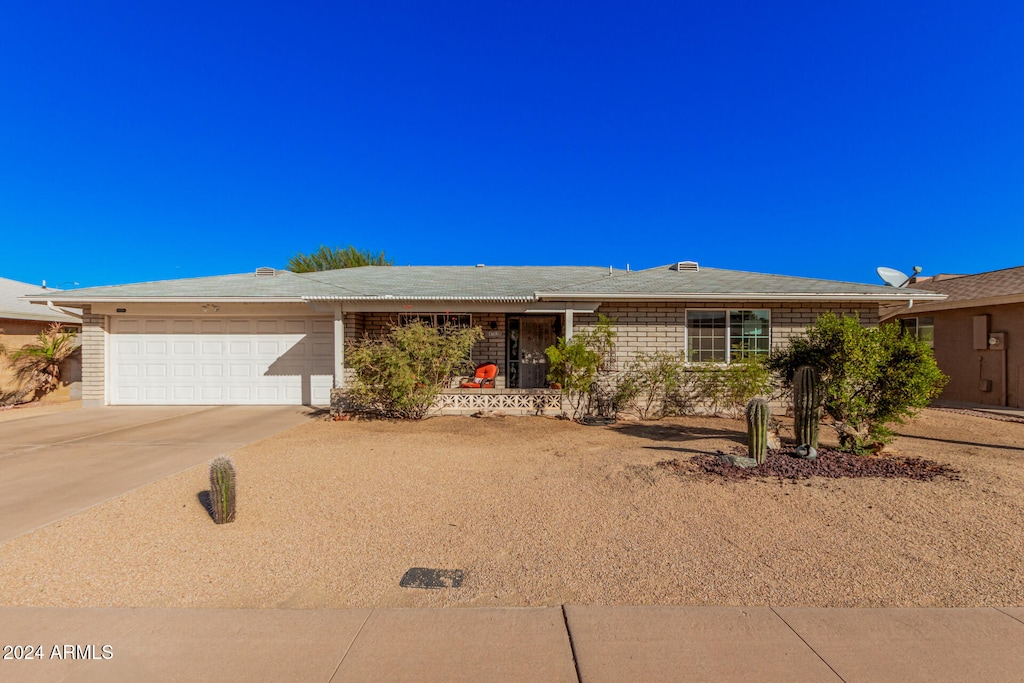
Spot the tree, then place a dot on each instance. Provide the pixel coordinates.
(326, 258)
(36, 366)
(872, 377)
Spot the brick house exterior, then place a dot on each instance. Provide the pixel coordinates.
(281, 337)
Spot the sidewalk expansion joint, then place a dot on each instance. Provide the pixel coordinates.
(807, 644)
(572, 645)
(1008, 614)
(349, 648)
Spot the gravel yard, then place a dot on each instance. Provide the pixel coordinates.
(538, 511)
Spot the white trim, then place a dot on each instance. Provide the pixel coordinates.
(744, 296)
(339, 346)
(388, 298)
(168, 300)
(106, 360)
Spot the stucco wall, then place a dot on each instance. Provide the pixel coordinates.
(967, 367)
(18, 333)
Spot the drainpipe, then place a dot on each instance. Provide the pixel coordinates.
(49, 304)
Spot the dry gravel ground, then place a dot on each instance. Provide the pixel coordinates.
(540, 511)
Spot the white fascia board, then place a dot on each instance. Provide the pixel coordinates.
(382, 299)
(77, 303)
(43, 316)
(424, 306)
(741, 296)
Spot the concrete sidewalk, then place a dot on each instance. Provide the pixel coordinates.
(571, 643)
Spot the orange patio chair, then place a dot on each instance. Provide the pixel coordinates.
(484, 377)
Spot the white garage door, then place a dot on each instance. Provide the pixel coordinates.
(217, 361)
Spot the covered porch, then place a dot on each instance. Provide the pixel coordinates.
(515, 336)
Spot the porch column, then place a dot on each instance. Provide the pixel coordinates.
(568, 322)
(339, 346)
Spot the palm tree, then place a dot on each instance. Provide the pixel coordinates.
(36, 366)
(326, 258)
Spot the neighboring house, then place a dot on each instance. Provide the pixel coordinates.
(977, 333)
(21, 322)
(276, 337)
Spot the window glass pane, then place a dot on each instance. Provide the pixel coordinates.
(512, 368)
(909, 326)
(410, 318)
(926, 331)
(706, 333)
(748, 334)
(456, 321)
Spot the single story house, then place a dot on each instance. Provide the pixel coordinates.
(21, 322)
(977, 333)
(277, 337)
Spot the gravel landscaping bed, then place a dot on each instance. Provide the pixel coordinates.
(535, 511)
(830, 464)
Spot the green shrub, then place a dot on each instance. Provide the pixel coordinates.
(871, 377)
(649, 382)
(575, 365)
(402, 373)
(727, 389)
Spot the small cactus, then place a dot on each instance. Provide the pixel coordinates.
(758, 415)
(806, 405)
(222, 490)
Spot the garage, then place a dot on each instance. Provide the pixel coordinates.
(220, 361)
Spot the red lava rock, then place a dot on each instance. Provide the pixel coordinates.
(830, 464)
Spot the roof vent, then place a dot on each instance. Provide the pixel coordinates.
(265, 272)
(690, 266)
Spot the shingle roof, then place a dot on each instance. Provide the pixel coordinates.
(489, 283)
(963, 291)
(13, 308)
(666, 280)
(284, 285)
(995, 283)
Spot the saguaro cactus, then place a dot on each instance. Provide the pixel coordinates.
(758, 415)
(806, 405)
(222, 490)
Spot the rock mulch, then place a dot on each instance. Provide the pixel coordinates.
(830, 464)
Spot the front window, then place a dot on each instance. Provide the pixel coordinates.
(922, 329)
(725, 336)
(440, 320)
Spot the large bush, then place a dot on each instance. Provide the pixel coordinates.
(727, 389)
(872, 377)
(649, 382)
(400, 374)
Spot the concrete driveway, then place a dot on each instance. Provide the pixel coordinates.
(52, 466)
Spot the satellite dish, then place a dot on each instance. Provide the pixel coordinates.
(896, 278)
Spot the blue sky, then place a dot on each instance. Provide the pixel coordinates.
(146, 141)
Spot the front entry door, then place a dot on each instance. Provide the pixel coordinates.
(536, 333)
